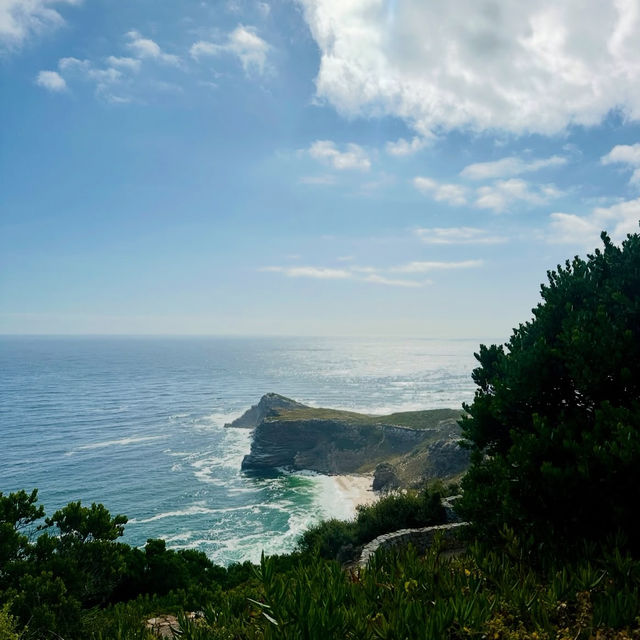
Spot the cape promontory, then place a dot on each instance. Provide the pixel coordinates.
(403, 449)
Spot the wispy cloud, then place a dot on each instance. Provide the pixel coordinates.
(320, 180)
(453, 194)
(395, 282)
(145, 48)
(457, 235)
(426, 266)
(319, 273)
(618, 220)
(626, 154)
(510, 166)
(373, 275)
(353, 156)
(244, 43)
(51, 81)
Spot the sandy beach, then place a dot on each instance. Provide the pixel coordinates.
(356, 489)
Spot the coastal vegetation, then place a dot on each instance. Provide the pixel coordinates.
(551, 497)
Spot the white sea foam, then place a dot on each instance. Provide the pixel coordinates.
(217, 419)
(122, 442)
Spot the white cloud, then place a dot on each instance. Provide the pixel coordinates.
(402, 147)
(504, 193)
(507, 167)
(145, 48)
(20, 19)
(535, 67)
(203, 48)
(242, 42)
(354, 156)
(394, 282)
(424, 267)
(625, 154)
(105, 80)
(130, 64)
(457, 235)
(386, 276)
(618, 220)
(320, 273)
(454, 194)
(51, 80)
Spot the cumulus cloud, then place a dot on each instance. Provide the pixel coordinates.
(627, 154)
(20, 19)
(453, 194)
(51, 80)
(145, 48)
(503, 194)
(402, 147)
(618, 220)
(131, 64)
(536, 67)
(353, 157)
(499, 196)
(104, 79)
(457, 235)
(244, 43)
(507, 167)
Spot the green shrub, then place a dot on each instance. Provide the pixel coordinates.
(554, 428)
(339, 539)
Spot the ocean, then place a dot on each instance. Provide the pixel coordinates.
(137, 424)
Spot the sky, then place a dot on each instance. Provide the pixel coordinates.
(308, 167)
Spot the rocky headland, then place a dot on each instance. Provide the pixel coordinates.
(400, 450)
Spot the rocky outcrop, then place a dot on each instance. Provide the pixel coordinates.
(446, 459)
(292, 436)
(269, 405)
(326, 446)
(385, 478)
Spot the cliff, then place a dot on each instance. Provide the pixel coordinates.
(404, 448)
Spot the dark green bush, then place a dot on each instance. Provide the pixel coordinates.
(339, 539)
(554, 428)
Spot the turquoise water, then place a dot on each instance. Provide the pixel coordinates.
(137, 424)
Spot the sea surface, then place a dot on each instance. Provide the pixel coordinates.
(137, 424)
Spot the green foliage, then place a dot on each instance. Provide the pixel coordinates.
(87, 524)
(18, 513)
(56, 573)
(483, 594)
(78, 586)
(8, 627)
(338, 539)
(554, 428)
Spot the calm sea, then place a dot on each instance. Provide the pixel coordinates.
(137, 424)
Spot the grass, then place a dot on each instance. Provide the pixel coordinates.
(419, 420)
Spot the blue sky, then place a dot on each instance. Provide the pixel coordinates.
(308, 167)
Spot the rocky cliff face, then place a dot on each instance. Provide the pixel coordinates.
(293, 436)
(327, 446)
